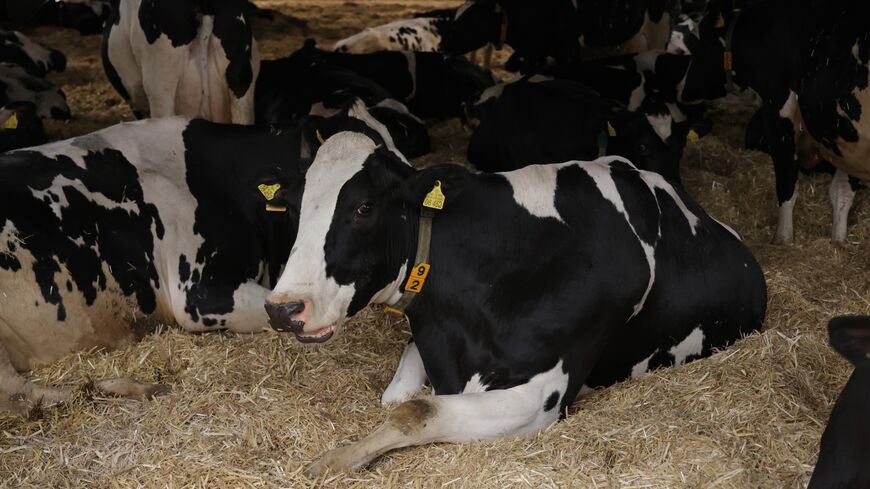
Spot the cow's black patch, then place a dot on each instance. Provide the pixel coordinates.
(551, 401)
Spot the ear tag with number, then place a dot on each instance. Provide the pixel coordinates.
(435, 198)
(720, 21)
(728, 61)
(610, 130)
(417, 278)
(11, 122)
(318, 136)
(693, 136)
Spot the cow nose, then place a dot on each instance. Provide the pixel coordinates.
(281, 314)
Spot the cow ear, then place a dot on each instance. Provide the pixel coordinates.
(850, 336)
(448, 179)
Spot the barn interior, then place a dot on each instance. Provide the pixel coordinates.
(255, 410)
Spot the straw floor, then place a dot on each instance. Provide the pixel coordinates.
(252, 411)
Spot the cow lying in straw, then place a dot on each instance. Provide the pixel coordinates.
(519, 287)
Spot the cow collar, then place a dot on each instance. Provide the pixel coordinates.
(728, 57)
(433, 201)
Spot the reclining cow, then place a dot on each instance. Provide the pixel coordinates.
(165, 220)
(196, 59)
(522, 288)
(36, 59)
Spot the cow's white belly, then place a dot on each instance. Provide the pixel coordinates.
(202, 88)
(29, 326)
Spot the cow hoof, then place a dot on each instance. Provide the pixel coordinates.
(18, 397)
(132, 389)
(783, 240)
(331, 462)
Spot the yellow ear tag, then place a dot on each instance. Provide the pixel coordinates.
(417, 278)
(720, 22)
(269, 191)
(319, 137)
(275, 208)
(435, 198)
(728, 61)
(11, 122)
(610, 130)
(693, 136)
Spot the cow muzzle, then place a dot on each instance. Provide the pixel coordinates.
(292, 316)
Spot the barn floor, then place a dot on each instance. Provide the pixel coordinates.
(255, 410)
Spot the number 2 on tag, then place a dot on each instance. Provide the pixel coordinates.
(418, 278)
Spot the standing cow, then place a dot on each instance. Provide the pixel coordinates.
(158, 221)
(519, 287)
(195, 58)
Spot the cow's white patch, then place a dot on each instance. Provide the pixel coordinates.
(638, 95)
(474, 385)
(462, 8)
(727, 228)
(534, 189)
(57, 190)
(338, 160)
(661, 124)
(693, 344)
(409, 378)
(358, 111)
(641, 368)
(394, 36)
(39, 54)
(655, 181)
(392, 292)
(412, 72)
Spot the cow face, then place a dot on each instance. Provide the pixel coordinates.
(650, 139)
(346, 254)
(476, 23)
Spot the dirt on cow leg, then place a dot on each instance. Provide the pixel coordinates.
(18, 393)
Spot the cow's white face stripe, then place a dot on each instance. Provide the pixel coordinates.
(661, 124)
(534, 189)
(340, 158)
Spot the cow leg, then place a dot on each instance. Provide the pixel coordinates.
(520, 410)
(16, 389)
(409, 378)
(842, 195)
(780, 135)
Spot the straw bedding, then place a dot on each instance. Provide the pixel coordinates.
(253, 410)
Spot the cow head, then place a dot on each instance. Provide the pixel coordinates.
(357, 233)
(477, 23)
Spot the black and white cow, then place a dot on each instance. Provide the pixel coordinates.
(561, 30)
(845, 443)
(86, 16)
(288, 88)
(37, 60)
(20, 127)
(157, 221)
(430, 84)
(808, 61)
(195, 58)
(531, 284)
(16, 85)
(552, 121)
(422, 34)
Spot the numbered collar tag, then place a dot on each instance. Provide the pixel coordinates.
(435, 198)
(11, 122)
(417, 278)
(728, 61)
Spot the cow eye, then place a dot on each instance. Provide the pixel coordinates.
(364, 209)
(642, 148)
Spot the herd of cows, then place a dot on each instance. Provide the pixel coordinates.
(572, 259)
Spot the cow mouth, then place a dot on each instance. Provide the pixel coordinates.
(320, 336)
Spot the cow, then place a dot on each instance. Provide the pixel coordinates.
(842, 462)
(562, 30)
(287, 89)
(165, 220)
(86, 16)
(552, 121)
(519, 287)
(16, 85)
(808, 63)
(195, 58)
(20, 127)
(430, 84)
(37, 60)
(422, 34)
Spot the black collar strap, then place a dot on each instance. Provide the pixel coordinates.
(728, 60)
(414, 285)
(503, 28)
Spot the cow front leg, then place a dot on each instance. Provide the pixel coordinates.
(842, 194)
(780, 135)
(409, 378)
(18, 393)
(520, 410)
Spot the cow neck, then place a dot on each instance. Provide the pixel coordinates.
(419, 271)
(728, 56)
